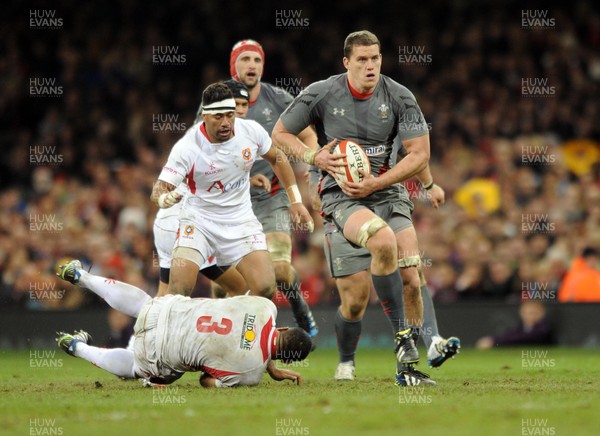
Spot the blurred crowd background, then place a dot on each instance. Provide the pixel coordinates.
(519, 163)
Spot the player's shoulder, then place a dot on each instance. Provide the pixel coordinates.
(274, 93)
(331, 84)
(248, 126)
(395, 89)
(189, 140)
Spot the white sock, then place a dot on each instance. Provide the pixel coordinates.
(120, 296)
(431, 351)
(117, 361)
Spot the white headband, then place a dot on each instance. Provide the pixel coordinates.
(219, 107)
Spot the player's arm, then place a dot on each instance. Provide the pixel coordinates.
(293, 122)
(164, 194)
(279, 374)
(228, 381)
(284, 172)
(415, 161)
(208, 381)
(435, 193)
(260, 181)
(292, 145)
(309, 138)
(313, 179)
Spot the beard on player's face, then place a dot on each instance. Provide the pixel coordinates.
(249, 73)
(250, 79)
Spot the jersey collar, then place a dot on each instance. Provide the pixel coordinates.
(357, 94)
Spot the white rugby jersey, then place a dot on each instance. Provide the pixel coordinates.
(232, 339)
(218, 173)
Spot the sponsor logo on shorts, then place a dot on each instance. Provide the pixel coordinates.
(247, 154)
(374, 150)
(188, 230)
(248, 337)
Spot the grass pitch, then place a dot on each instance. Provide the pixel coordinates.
(529, 391)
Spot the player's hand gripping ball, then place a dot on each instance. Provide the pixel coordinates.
(356, 159)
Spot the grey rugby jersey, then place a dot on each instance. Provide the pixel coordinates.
(266, 110)
(372, 122)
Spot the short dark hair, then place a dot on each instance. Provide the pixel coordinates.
(362, 37)
(215, 92)
(296, 345)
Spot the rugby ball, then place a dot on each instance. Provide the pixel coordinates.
(356, 159)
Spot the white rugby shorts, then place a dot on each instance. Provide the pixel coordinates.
(227, 242)
(165, 235)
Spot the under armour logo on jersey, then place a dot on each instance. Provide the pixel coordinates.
(383, 110)
(339, 112)
(267, 113)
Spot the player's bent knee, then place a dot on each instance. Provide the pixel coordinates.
(369, 229)
(267, 291)
(356, 309)
(218, 291)
(284, 273)
(354, 305)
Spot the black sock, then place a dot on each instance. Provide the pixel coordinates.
(430, 327)
(294, 296)
(389, 290)
(347, 333)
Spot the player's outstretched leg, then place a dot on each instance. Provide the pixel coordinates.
(302, 313)
(438, 349)
(120, 296)
(67, 342)
(117, 361)
(441, 350)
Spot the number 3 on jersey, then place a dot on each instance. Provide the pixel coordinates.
(205, 325)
